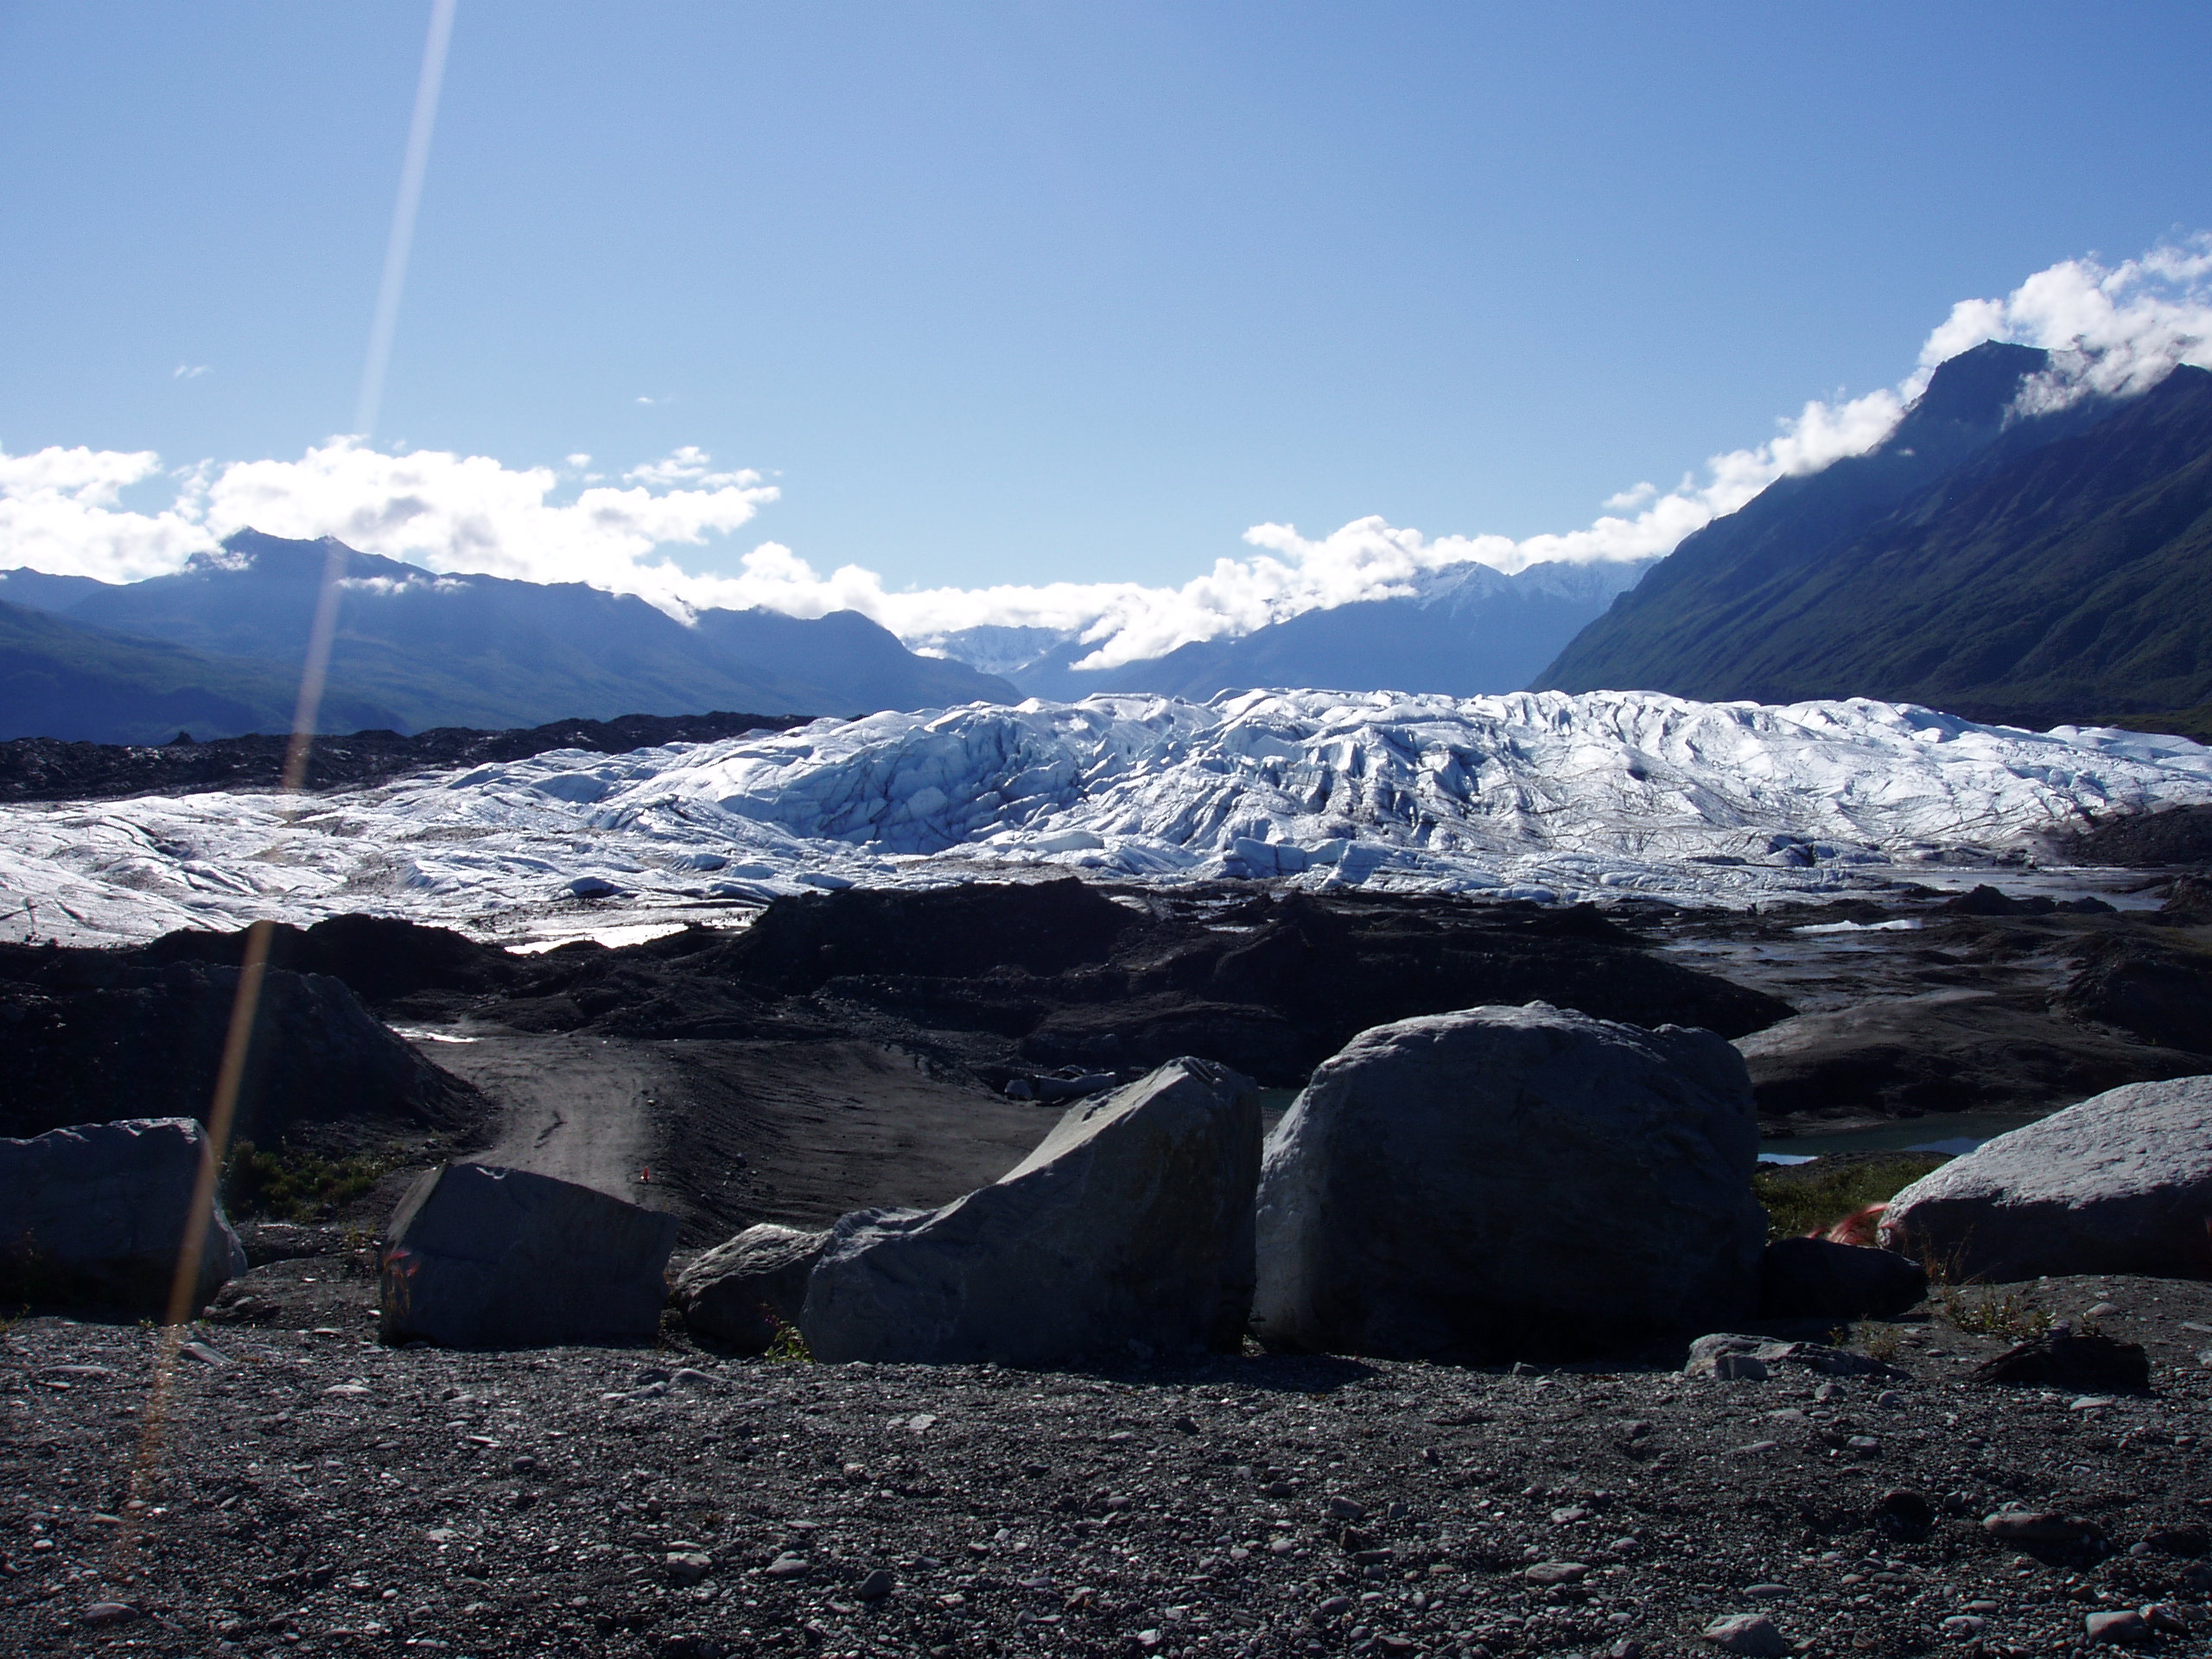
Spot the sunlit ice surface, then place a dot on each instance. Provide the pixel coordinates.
(1541, 796)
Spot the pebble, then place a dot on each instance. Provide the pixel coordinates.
(1440, 1555)
(1748, 1633)
(1555, 1573)
(2035, 1527)
(2123, 1627)
(1964, 1627)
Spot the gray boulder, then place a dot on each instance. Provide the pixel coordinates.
(1505, 1183)
(1817, 1279)
(94, 1217)
(478, 1256)
(2121, 1183)
(740, 1293)
(1129, 1229)
(1725, 1354)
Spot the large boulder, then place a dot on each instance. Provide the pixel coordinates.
(478, 1256)
(742, 1293)
(94, 1217)
(1128, 1229)
(1819, 1279)
(2121, 1183)
(1510, 1181)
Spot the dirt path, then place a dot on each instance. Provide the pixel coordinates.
(802, 1133)
(579, 1108)
(732, 1133)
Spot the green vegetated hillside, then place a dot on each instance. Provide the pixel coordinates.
(421, 651)
(59, 678)
(2034, 571)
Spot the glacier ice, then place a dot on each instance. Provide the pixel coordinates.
(1534, 794)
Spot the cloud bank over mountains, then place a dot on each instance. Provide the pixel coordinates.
(2116, 329)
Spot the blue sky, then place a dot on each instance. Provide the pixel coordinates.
(1023, 293)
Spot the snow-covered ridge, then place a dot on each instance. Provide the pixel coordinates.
(1536, 794)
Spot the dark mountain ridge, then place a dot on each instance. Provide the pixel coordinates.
(63, 680)
(2032, 570)
(414, 650)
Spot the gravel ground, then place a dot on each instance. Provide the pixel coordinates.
(312, 1492)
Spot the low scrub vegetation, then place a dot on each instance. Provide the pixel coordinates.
(1804, 1198)
(1991, 1313)
(287, 1184)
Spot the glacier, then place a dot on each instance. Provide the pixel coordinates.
(1537, 795)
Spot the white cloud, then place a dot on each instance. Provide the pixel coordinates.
(59, 511)
(690, 465)
(2118, 329)
(190, 372)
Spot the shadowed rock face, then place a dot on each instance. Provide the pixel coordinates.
(94, 1035)
(480, 1257)
(740, 1293)
(1507, 1183)
(1818, 1278)
(2121, 1183)
(2063, 1360)
(93, 1216)
(1129, 1229)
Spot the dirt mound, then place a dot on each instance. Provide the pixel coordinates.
(959, 933)
(51, 769)
(92, 1036)
(2189, 902)
(2180, 835)
(381, 958)
(2161, 995)
(1942, 1052)
(1010, 978)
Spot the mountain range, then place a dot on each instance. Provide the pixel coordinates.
(2035, 569)
(1990, 558)
(1464, 631)
(217, 649)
